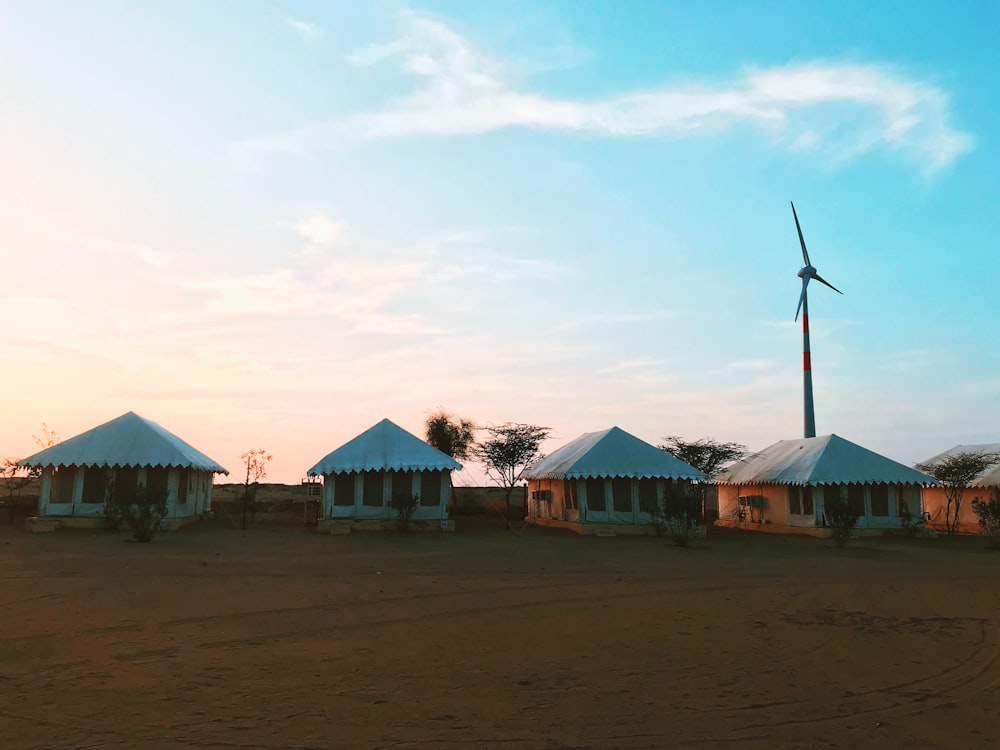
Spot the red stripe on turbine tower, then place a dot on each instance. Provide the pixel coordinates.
(806, 361)
(805, 322)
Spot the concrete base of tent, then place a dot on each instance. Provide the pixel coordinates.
(348, 525)
(36, 524)
(600, 529)
(819, 532)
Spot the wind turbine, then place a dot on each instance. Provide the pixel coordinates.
(807, 272)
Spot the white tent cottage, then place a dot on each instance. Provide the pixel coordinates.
(603, 482)
(782, 489)
(362, 476)
(133, 451)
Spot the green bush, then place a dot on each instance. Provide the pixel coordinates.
(988, 512)
(140, 509)
(677, 513)
(405, 506)
(842, 518)
(912, 523)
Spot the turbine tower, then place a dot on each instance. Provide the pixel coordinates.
(807, 272)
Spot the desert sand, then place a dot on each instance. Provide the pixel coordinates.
(277, 637)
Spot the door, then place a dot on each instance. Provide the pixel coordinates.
(801, 506)
(60, 481)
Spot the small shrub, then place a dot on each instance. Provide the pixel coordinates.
(405, 506)
(739, 514)
(141, 510)
(676, 514)
(912, 523)
(842, 517)
(988, 512)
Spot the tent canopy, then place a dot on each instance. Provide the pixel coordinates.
(990, 477)
(129, 440)
(611, 453)
(829, 459)
(388, 447)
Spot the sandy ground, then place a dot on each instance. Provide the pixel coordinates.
(281, 638)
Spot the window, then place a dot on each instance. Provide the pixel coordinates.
(430, 487)
(907, 496)
(647, 495)
(183, 480)
(374, 483)
(569, 495)
(595, 495)
(856, 499)
(156, 483)
(800, 501)
(61, 490)
(343, 490)
(400, 483)
(621, 494)
(93, 485)
(126, 480)
(831, 494)
(879, 496)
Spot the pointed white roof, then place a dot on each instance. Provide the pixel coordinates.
(990, 477)
(611, 453)
(386, 446)
(829, 459)
(129, 440)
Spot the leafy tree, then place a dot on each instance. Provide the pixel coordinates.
(706, 454)
(450, 435)
(508, 450)
(956, 472)
(256, 462)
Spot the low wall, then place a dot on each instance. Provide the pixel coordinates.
(51, 523)
(598, 529)
(348, 525)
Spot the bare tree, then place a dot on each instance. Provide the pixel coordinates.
(507, 452)
(47, 439)
(256, 462)
(956, 472)
(449, 434)
(17, 478)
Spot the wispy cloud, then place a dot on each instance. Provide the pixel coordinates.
(838, 109)
(305, 29)
(610, 318)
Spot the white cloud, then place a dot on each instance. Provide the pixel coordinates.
(305, 29)
(838, 109)
(320, 229)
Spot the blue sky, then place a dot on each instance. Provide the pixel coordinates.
(273, 224)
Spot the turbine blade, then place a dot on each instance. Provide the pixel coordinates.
(821, 280)
(802, 297)
(802, 241)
